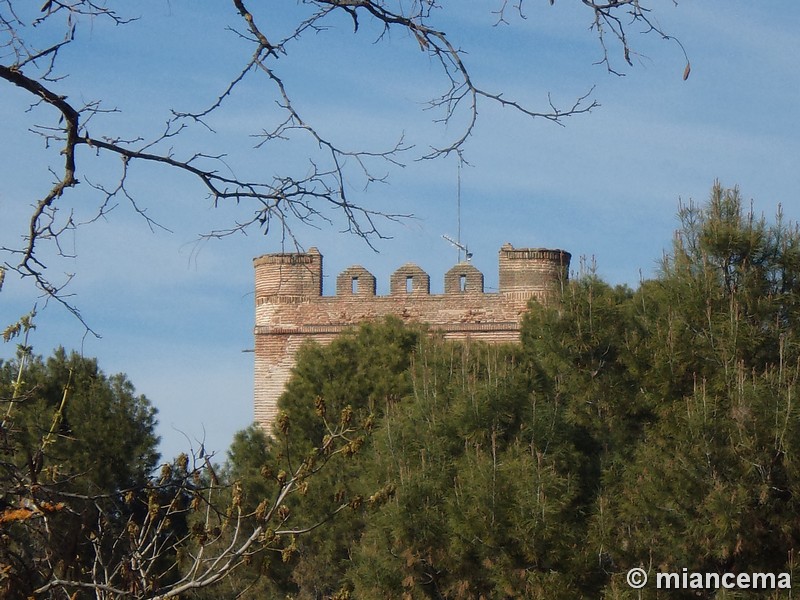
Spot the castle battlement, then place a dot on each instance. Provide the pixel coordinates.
(291, 309)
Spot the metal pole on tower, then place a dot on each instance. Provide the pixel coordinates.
(458, 197)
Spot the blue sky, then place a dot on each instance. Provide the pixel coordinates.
(176, 314)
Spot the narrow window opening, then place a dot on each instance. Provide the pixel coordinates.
(409, 284)
(462, 283)
(354, 285)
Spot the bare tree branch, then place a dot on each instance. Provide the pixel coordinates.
(278, 202)
(181, 530)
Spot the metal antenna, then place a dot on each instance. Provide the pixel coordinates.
(457, 242)
(458, 205)
(461, 247)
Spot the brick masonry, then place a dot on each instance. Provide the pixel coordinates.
(290, 307)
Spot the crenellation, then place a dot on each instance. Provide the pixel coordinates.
(409, 279)
(355, 281)
(463, 278)
(291, 309)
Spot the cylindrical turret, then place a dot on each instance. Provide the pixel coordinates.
(288, 275)
(532, 271)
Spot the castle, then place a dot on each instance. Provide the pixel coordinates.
(291, 309)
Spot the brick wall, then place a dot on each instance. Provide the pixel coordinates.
(291, 309)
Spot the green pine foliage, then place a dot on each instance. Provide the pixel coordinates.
(713, 486)
(482, 473)
(655, 427)
(73, 442)
(348, 385)
(99, 432)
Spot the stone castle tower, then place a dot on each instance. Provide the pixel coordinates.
(291, 309)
